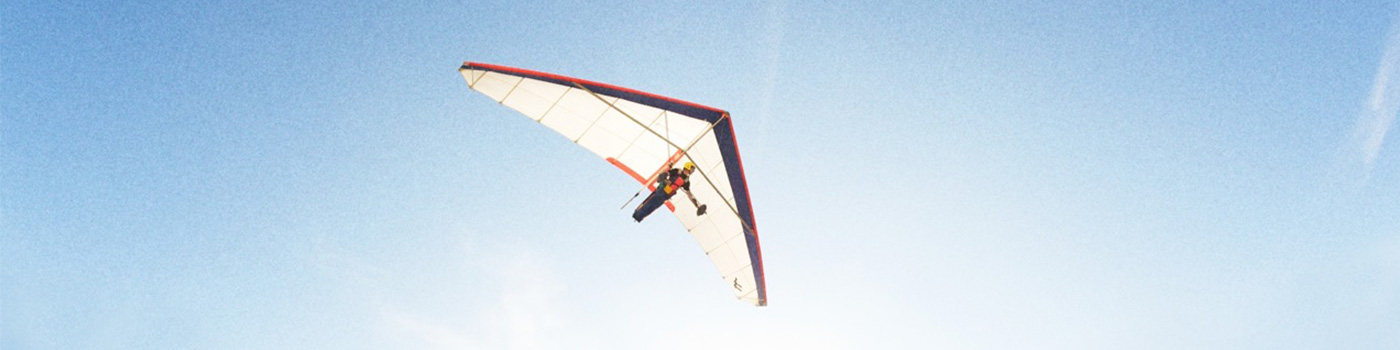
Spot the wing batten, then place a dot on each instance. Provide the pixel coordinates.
(590, 125)
(555, 104)
(512, 91)
(599, 117)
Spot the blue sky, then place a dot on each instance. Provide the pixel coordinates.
(954, 175)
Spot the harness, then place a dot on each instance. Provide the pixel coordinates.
(675, 183)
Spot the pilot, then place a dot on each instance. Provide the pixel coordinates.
(666, 186)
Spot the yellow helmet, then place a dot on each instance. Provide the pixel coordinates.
(689, 165)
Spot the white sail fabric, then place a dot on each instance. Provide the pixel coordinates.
(644, 134)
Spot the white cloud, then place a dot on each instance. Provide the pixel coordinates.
(526, 303)
(752, 335)
(521, 316)
(438, 336)
(774, 32)
(1378, 117)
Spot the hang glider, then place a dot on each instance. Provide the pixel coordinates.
(644, 135)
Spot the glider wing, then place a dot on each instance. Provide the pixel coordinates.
(644, 134)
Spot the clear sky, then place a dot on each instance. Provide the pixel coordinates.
(932, 175)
